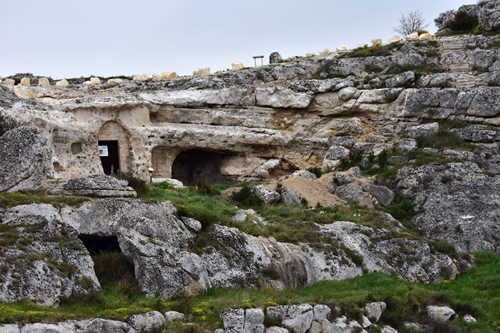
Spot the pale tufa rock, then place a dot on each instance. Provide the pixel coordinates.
(363, 45)
(426, 37)
(95, 80)
(8, 82)
(140, 77)
(43, 82)
(25, 81)
(342, 48)
(439, 313)
(62, 83)
(310, 53)
(168, 75)
(412, 37)
(237, 65)
(324, 51)
(146, 321)
(201, 71)
(376, 42)
(156, 77)
(394, 39)
(115, 81)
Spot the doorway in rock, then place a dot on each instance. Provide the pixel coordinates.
(113, 270)
(110, 159)
(194, 166)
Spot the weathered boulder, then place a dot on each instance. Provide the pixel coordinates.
(489, 16)
(422, 130)
(298, 318)
(168, 75)
(62, 83)
(412, 37)
(281, 97)
(114, 81)
(376, 42)
(469, 195)
(478, 133)
(45, 261)
(43, 82)
(374, 310)
(426, 37)
(267, 168)
(201, 71)
(237, 65)
(275, 58)
(394, 39)
(254, 321)
(8, 82)
(310, 53)
(266, 195)
(341, 48)
(98, 185)
(140, 77)
(233, 319)
(383, 194)
(401, 80)
(343, 178)
(146, 321)
(469, 319)
(25, 160)
(304, 173)
(289, 197)
(173, 315)
(406, 145)
(439, 313)
(156, 77)
(337, 152)
(324, 51)
(25, 81)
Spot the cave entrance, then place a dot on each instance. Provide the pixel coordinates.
(110, 158)
(194, 166)
(112, 268)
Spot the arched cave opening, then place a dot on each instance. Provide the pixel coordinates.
(194, 166)
(112, 268)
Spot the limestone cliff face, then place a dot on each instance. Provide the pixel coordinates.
(286, 111)
(174, 257)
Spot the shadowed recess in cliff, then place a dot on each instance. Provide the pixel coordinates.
(194, 166)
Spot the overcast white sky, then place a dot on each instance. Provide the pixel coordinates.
(73, 38)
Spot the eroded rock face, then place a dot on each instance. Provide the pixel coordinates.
(26, 160)
(99, 185)
(43, 260)
(455, 202)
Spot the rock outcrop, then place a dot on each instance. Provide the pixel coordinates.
(26, 160)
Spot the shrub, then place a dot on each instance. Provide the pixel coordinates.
(137, 184)
(463, 22)
(246, 197)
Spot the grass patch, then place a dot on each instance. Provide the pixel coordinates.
(373, 51)
(13, 199)
(443, 139)
(475, 292)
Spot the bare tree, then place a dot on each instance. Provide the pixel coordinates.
(410, 23)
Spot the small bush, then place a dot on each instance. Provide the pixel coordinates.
(463, 22)
(246, 197)
(137, 184)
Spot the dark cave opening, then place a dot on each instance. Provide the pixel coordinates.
(194, 166)
(112, 268)
(96, 244)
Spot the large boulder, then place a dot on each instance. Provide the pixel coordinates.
(266, 195)
(275, 58)
(25, 160)
(489, 16)
(470, 195)
(43, 260)
(422, 130)
(439, 313)
(98, 185)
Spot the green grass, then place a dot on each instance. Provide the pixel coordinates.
(12, 199)
(476, 292)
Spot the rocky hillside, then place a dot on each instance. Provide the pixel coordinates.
(382, 159)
